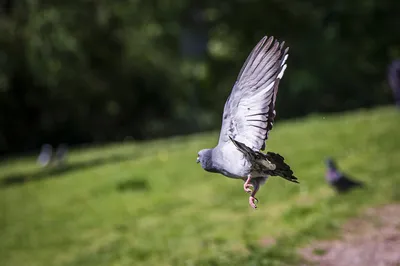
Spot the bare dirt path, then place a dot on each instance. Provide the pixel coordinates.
(370, 240)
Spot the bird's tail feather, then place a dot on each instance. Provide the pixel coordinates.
(281, 168)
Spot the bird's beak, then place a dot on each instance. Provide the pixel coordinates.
(198, 160)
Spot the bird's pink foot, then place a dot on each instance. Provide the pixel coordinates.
(247, 184)
(253, 201)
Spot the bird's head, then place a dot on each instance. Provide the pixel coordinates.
(204, 158)
(330, 163)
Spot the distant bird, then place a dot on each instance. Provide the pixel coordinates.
(339, 181)
(61, 154)
(248, 117)
(45, 156)
(394, 80)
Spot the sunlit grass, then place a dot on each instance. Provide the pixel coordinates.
(150, 204)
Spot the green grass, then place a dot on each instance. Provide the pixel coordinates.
(171, 212)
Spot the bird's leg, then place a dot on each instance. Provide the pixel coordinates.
(252, 199)
(247, 184)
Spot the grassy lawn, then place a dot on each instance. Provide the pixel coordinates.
(151, 204)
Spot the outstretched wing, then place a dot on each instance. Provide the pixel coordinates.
(249, 111)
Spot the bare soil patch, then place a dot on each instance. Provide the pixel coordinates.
(370, 240)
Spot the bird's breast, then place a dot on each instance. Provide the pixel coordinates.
(236, 166)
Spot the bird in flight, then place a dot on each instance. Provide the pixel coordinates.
(248, 117)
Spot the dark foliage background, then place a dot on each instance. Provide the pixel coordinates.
(95, 71)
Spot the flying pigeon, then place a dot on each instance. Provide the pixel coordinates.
(338, 180)
(248, 117)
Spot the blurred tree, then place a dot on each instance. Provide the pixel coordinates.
(80, 71)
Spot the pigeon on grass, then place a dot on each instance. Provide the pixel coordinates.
(248, 117)
(394, 80)
(338, 180)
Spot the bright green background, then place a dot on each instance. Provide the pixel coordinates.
(171, 212)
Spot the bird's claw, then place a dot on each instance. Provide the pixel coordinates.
(247, 187)
(253, 201)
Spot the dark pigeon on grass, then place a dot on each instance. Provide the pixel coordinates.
(248, 117)
(394, 80)
(338, 180)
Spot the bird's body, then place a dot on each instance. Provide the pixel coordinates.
(229, 161)
(394, 80)
(45, 156)
(61, 154)
(248, 117)
(338, 180)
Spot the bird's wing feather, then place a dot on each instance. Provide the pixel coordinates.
(249, 111)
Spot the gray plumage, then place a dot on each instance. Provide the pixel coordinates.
(61, 154)
(248, 117)
(46, 153)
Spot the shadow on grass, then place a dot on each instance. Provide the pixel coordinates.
(133, 185)
(56, 171)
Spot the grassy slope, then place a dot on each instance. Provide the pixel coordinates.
(174, 213)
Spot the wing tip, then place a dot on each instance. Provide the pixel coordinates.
(263, 46)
